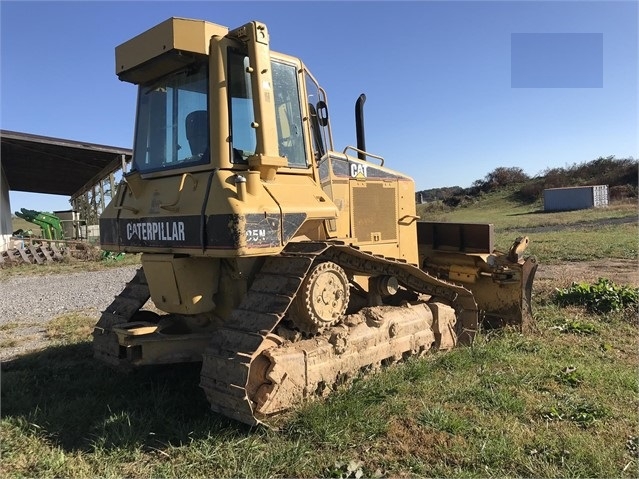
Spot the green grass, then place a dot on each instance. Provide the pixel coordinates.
(585, 243)
(555, 403)
(507, 213)
(22, 224)
(561, 401)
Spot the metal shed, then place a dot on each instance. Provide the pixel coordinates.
(575, 198)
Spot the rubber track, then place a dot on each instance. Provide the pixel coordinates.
(130, 300)
(227, 360)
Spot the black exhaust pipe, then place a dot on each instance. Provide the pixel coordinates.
(359, 126)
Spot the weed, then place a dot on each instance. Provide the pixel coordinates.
(72, 327)
(585, 414)
(570, 376)
(601, 297)
(575, 326)
(9, 343)
(578, 411)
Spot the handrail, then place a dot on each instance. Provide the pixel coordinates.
(381, 159)
(412, 218)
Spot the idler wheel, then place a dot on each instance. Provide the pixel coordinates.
(322, 298)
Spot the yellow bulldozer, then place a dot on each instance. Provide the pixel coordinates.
(282, 265)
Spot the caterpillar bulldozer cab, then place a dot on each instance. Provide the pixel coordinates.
(281, 264)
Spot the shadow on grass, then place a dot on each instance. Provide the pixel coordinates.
(80, 404)
(528, 213)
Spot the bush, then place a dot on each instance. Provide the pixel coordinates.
(619, 174)
(621, 192)
(602, 297)
(500, 177)
(531, 191)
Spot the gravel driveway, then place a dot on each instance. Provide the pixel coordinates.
(45, 297)
(28, 302)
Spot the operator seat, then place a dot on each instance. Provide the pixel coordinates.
(197, 132)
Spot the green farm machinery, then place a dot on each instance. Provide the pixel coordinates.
(51, 245)
(50, 224)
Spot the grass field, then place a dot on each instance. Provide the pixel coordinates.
(561, 401)
(555, 237)
(22, 224)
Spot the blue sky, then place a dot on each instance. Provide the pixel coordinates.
(442, 105)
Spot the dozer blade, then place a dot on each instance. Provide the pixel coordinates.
(505, 298)
(500, 282)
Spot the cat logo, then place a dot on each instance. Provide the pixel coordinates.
(358, 171)
(155, 231)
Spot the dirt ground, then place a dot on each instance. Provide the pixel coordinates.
(619, 271)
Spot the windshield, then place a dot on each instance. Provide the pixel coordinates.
(172, 127)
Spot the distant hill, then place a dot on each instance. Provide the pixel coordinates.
(621, 175)
(439, 193)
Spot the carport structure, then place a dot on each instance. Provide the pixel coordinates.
(40, 164)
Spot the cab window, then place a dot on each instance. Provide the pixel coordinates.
(172, 128)
(288, 115)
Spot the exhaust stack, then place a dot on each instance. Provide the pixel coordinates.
(359, 126)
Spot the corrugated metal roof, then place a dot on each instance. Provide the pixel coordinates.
(41, 164)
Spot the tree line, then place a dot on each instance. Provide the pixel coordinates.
(620, 174)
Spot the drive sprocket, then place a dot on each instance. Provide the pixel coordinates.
(322, 298)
